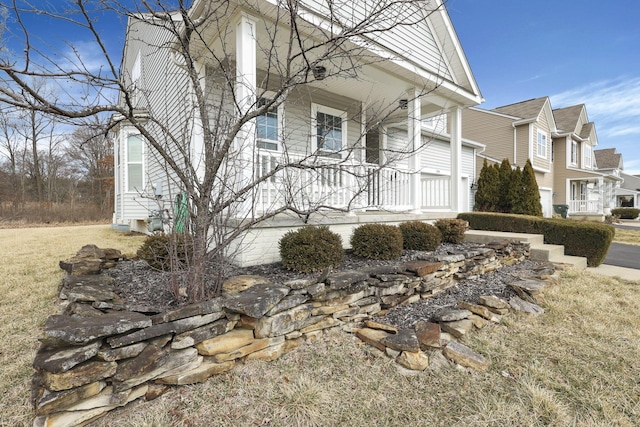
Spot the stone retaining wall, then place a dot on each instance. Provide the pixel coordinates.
(99, 353)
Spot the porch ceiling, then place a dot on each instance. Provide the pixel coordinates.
(376, 81)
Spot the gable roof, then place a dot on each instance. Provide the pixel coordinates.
(529, 109)
(567, 118)
(607, 158)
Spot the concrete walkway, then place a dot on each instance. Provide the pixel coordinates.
(613, 271)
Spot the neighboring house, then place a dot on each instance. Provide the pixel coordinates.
(518, 132)
(589, 193)
(433, 181)
(559, 143)
(627, 191)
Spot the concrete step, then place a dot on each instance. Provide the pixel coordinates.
(544, 252)
(482, 236)
(539, 250)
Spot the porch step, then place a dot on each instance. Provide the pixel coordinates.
(539, 250)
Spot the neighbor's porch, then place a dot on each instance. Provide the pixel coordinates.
(591, 197)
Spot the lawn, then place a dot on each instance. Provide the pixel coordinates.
(578, 364)
(630, 237)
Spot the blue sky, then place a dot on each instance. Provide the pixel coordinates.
(574, 51)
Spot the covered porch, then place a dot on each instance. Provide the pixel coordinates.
(591, 197)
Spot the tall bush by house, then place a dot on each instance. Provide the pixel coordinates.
(527, 199)
(311, 249)
(486, 199)
(506, 179)
(420, 236)
(377, 241)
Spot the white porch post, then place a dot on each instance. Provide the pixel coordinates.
(246, 99)
(414, 135)
(456, 158)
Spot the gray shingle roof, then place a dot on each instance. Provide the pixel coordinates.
(525, 110)
(567, 118)
(608, 158)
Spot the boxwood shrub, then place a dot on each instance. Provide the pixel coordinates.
(377, 241)
(626, 213)
(579, 238)
(310, 249)
(452, 229)
(420, 236)
(157, 249)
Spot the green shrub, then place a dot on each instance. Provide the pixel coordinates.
(311, 249)
(377, 241)
(452, 230)
(579, 238)
(420, 236)
(626, 213)
(156, 250)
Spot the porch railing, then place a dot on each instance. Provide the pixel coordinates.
(585, 206)
(330, 182)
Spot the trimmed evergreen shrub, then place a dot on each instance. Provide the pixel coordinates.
(157, 249)
(507, 180)
(580, 238)
(626, 213)
(420, 236)
(377, 241)
(310, 249)
(452, 230)
(527, 198)
(486, 197)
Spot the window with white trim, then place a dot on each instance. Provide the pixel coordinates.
(269, 124)
(135, 175)
(587, 156)
(574, 153)
(542, 144)
(329, 130)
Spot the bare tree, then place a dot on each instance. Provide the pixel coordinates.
(207, 146)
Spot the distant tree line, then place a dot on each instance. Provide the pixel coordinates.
(504, 189)
(47, 166)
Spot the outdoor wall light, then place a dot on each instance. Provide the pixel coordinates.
(474, 186)
(403, 104)
(319, 72)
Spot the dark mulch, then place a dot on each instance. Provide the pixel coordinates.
(140, 285)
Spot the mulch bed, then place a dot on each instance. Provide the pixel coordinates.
(140, 285)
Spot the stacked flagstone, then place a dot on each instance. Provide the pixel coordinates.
(99, 353)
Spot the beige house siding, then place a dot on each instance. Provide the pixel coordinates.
(490, 129)
(522, 144)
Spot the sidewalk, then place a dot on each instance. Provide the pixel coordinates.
(613, 271)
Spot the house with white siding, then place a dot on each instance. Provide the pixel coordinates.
(374, 135)
(627, 188)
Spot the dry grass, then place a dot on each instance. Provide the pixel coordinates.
(630, 237)
(578, 364)
(29, 279)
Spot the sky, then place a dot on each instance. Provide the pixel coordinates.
(574, 51)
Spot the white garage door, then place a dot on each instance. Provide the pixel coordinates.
(547, 203)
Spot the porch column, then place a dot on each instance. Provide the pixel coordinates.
(414, 136)
(246, 99)
(456, 158)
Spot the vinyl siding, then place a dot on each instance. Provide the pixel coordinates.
(414, 43)
(496, 132)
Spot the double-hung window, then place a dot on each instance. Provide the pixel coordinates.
(135, 176)
(268, 125)
(574, 153)
(329, 130)
(542, 144)
(587, 156)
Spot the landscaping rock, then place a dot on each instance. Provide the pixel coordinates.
(416, 361)
(404, 340)
(57, 360)
(257, 300)
(81, 331)
(428, 334)
(525, 306)
(464, 356)
(238, 284)
(451, 314)
(79, 375)
(372, 337)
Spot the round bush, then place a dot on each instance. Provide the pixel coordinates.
(156, 250)
(420, 236)
(311, 249)
(377, 241)
(452, 230)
